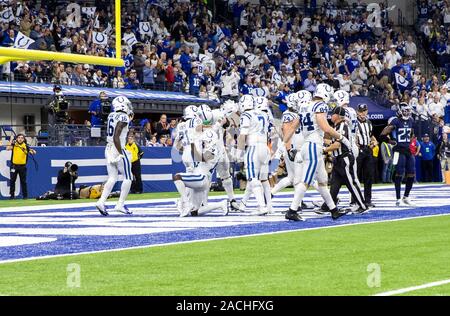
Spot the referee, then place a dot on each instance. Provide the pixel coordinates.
(366, 142)
(343, 171)
(19, 155)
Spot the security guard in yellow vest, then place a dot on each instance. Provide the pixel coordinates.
(19, 156)
(136, 155)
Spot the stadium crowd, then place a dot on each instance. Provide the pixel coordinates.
(271, 50)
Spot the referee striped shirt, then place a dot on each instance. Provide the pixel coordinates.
(364, 132)
(344, 130)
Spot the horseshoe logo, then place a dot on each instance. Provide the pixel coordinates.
(23, 45)
(145, 27)
(6, 14)
(101, 35)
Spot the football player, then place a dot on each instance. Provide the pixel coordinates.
(312, 119)
(118, 159)
(402, 129)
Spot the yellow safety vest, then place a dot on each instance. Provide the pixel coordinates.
(19, 154)
(134, 150)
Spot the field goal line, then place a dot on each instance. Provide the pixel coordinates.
(414, 288)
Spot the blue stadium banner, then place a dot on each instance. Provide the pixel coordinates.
(157, 168)
(78, 91)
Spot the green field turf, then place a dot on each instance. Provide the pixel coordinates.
(315, 262)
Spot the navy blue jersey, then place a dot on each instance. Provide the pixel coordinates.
(403, 131)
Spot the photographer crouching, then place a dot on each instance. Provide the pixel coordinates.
(65, 186)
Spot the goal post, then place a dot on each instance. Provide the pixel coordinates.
(12, 54)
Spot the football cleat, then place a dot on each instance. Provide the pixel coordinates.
(234, 205)
(370, 204)
(335, 213)
(123, 209)
(408, 202)
(293, 216)
(242, 207)
(193, 213)
(102, 208)
(260, 212)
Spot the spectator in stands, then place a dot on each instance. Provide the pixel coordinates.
(118, 81)
(410, 47)
(436, 108)
(163, 141)
(392, 56)
(162, 127)
(139, 62)
(310, 83)
(153, 142)
(427, 152)
(131, 82)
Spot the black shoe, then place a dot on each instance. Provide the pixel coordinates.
(369, 204)
(299, 210)
(293, 216)
(335, 213)
(234, 205)
(360, 210)
(194, 213)
(12, 197)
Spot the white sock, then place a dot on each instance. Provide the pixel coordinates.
(299, 194)
(107, 188)
(258, 192)
(325, 193)
(124, 190)
(267, 194)
(181, 188)
(228, 186)
(248, 192)
(209, 207)
(283, 183)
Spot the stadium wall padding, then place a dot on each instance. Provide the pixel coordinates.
(158, 165)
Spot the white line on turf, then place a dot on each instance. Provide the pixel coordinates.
(219, 238)
(413, 288)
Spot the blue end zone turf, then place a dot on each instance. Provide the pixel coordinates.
(37, 232)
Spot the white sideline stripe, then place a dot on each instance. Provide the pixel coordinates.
(102, 162)
(413, 288)
(100, 179)
(219, 238)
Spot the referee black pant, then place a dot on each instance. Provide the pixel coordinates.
(20, 170)
(365, 172)
(344, 173)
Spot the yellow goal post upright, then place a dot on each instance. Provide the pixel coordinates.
(8, 54)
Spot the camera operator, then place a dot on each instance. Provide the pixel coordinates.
(19, 156)
(65, 185)
(58, 107)
(99, 110)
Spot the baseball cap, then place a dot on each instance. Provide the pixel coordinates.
(362, 107)
(339, 110)
(426, 135)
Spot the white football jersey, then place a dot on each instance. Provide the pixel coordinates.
(217, 117)
(255, 125)
(308, 122)
(113, 119)
(297, 138)
(352, 118)
(207, 167)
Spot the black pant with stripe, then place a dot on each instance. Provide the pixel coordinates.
(136, 185)
(343, 173)
(366, 171)
(20, 170)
